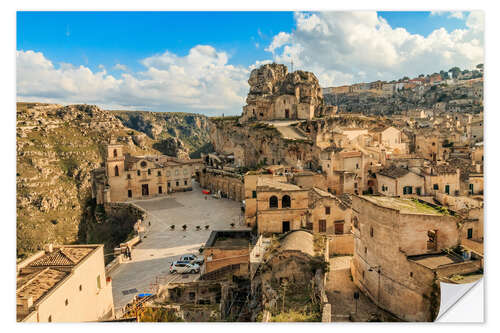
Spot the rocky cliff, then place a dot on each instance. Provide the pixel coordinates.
(176, 134)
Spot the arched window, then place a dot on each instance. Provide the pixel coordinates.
(116, 171)
(273, 202)
(115, 153)
(286, 202)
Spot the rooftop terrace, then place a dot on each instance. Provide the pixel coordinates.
(406, 206)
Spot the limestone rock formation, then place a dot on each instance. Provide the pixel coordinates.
(276, 94)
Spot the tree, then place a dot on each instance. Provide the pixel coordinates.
(455, 71)
(479, 66)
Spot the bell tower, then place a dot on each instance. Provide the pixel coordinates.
(115, 161)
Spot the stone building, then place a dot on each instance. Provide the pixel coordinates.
(328, 214)
(127, 177)
(280, 207)
(396, 181)
(391, 138)
(64, 283)
(250, 188)
(399, 255)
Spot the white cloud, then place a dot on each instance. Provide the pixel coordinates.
(453, 14)
(120, 67)
(201, 81)
(457, 15)
(347, 47)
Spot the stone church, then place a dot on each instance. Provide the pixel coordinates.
(125, 177)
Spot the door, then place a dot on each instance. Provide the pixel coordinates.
(322, 225)
(471, 188)
(287, 113)
(469, 233)
(419, 190)
(447, 189)
(286, 226)
(339, 228)
(145, 189)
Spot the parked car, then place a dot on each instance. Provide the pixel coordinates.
(184, 267)
(193, 259)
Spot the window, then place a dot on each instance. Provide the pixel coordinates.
(436, 187)
(66, 302)
(49, 319)
(168, 184)
(149, 172)
(363, 274)
(254, 194)
(286, 201)
(160, 190)
(159, 173)
(469, 233)
(355, 222)
(128, 176)
(357, 166)
(322, 225)
(433, 143)
(407, 190)
(138, 172)
(273, 202)
(339, 228)
(355, 185)
(130, 193)
(144, 164)
(185, 182)
(371, 231)
(115, 153)
(80, 288)
(411, 274)
(366, 250)
(117, 173)
(327, 210)
(98, 282)
(192, 295)
(177, 183)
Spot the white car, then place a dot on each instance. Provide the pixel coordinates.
(193, 259)
(183, 267)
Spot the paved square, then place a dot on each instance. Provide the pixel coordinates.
(160, 245)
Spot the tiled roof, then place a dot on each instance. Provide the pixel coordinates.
(393, 172)
(65, 256)
(40, 283)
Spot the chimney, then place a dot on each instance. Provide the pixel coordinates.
(49, 248)
(26, 304)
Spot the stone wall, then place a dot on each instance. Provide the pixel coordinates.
(229, 186)
(341, 244)
(217, 258)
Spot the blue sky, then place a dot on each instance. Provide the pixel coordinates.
(119, 53)
(107, 38)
